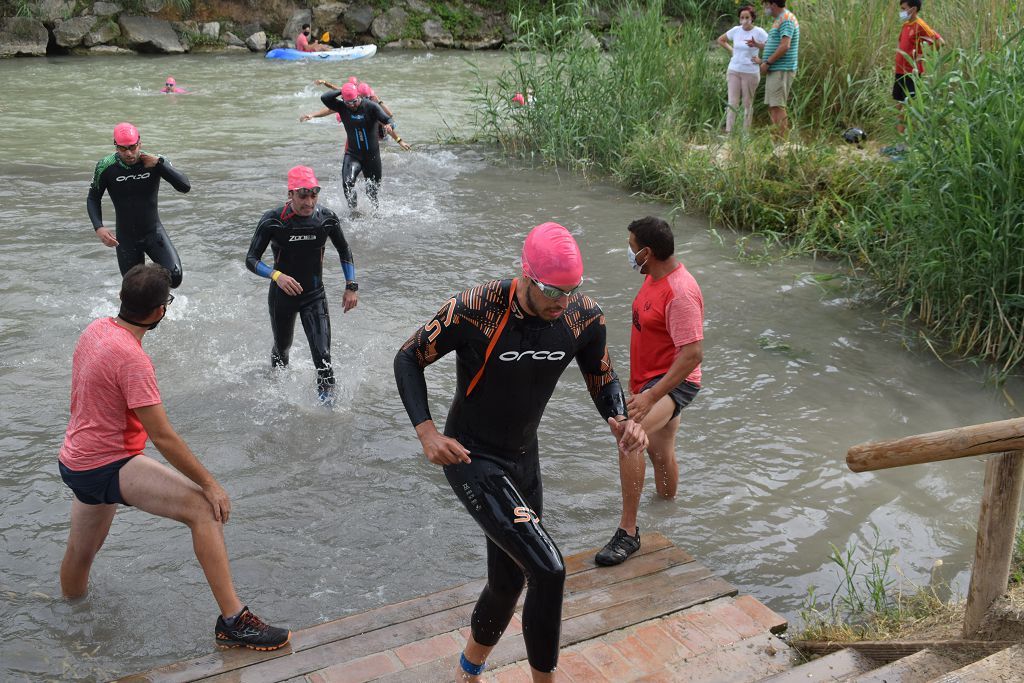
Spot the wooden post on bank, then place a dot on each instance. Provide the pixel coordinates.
(997, 524)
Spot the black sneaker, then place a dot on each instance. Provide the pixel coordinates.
(619, 548)
(252, 632)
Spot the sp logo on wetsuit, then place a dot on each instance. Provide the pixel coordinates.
(524, 514)
(513, 356)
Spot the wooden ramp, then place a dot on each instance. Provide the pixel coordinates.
(418, 640)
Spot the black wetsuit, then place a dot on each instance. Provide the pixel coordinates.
(298, 245)
(362, 147)
(133, 190)
(501, 395)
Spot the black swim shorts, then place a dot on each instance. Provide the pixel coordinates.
(99, 486)
(681, 395)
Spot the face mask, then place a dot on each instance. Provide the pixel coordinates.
(904, 15)
(632, 259)
(151, 326)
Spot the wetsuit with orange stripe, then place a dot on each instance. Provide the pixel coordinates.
(508, 363)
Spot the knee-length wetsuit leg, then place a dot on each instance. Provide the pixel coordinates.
(506, 502)
(283, 310)
(316, 322)
(159, 248)
(350, 168)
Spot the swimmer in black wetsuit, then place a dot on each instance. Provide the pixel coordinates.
(132, 177)
(361, 118)
(297, 233)
(513, 339)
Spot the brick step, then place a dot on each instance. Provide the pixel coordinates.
(919, 667)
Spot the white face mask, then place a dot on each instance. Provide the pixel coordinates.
(632, 259)
(904, 15)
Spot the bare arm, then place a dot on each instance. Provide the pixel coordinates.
(317, 115)
(723, 40)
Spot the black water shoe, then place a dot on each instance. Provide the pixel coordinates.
(619, 548)
(248, 630)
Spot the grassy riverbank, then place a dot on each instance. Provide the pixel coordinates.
(937, 233)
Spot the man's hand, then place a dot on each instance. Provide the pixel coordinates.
(319, 82)
(388, 129)
(629, 435)
(106, 236)
(148, 160)
(639, 405)
(289, 285)
(405, 145)
(764, 68)
(349, 300)
(305, 117)
(753, 43)
(218, 499)
(440, 449)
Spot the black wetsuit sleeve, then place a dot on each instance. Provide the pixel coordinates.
(260, 242)
(330, 100)
(596, 366)
(94, 206)
(177, 179)
(446, 332)
(380, 114)
(348, 265)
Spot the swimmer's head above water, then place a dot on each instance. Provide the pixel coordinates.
(126, 141)
(553, 269)
(303, 189)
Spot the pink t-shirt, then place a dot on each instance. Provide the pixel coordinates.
(668, 314)
(110, 376)
(302, 43)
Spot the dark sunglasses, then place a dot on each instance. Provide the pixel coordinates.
(303, 192)
(127, 148)
(552, 292)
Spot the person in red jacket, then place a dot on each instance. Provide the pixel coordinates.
(914, 35)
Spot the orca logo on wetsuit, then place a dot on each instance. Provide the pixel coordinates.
(140, 176)
(301, 238)
(536, 355)
(524, 514)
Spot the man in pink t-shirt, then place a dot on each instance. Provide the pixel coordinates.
(302, 43)
(115, 407)
(666, 349)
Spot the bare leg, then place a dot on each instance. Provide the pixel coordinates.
(781, 121)
(477, 654)
(89, 527)
(662, 449)
(901, 127)
(632, 468)
(162, 491)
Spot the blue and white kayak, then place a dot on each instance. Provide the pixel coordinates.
(336, 55)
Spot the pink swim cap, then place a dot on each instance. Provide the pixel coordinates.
(364, 89)
(349, 92)
(125, 134)
(302, 178)
(551, 255)
(519, 99)
(170, 81)
(353, 79)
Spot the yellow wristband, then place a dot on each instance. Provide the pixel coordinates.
(398, 139)
(276, 274)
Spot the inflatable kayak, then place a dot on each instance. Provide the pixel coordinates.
(336, 55)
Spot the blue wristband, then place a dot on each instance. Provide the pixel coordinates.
(471, 668)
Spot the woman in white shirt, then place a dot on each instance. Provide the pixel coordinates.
(743, 75)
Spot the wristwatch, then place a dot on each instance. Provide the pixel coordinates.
(352, 286)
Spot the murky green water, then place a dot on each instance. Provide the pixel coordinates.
(337, 512)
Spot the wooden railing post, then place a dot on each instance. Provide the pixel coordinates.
(997, 523)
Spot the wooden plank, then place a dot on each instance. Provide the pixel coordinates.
(997, 526)
(992, 437)
(1005, 666)
(649, 593)
(576, 629)
(580, 567)
(890, 651)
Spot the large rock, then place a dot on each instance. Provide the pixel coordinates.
(231, 40)
(104, 33)
(407, 44)
(390, 25)
(23, 36)
(419, 6)
(294, 25)
(110, 50)
(52, 11)
(490, 43)
(257, 42)
(106, 9)
(146, 34)
(70, 33)
(211, 29)
(359, 19)
(184, 28)
(435, 32)
(328, 15)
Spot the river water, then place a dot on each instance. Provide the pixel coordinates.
(336, 511)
